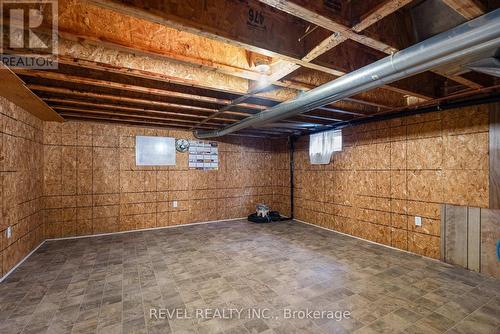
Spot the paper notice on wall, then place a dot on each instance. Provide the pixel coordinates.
(203, 155)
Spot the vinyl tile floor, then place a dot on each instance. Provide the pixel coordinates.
(239, 277)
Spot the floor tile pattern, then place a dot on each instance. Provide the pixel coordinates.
(109, 284)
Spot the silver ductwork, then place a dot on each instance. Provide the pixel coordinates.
(474, 37)
(490, 66)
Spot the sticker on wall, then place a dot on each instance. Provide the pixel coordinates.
(203, 155)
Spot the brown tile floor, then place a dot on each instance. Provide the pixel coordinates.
(109, 284)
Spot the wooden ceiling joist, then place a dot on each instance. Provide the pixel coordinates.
(135, 64)
(107, 97)
(61, 95)
(299, 8)
(15, 90)
(129, 121)
(122, 120)
(179, 67)
(469, 9)
(116, 85)
(319, 17)
(282, 69)
(323, 118)
(370, 103)
(105, 59)
(120, 65)
(128, 114)
(339, 111)
(262, 26)
(378, 13)
(58, 102)
(168, 14)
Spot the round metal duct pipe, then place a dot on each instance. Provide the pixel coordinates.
(471, 38)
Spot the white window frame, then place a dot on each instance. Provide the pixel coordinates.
(322, 145)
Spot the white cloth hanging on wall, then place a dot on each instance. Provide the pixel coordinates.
(322, 145)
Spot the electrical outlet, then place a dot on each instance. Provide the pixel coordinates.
(9, 232)
(174, 204)
(418, 221)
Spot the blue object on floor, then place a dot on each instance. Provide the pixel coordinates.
(498, 250)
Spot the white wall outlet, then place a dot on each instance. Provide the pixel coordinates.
(9, 232)
(174, 204)
(418, 221)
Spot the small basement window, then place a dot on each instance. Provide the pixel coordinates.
(154, 151)
(322, 145)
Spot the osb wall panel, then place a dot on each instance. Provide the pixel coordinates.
(391, 171)
(92, 185)
(20, 184)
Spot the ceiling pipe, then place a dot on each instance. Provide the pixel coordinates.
(490, 66)
(471, 38)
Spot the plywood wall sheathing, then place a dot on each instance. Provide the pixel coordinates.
(391, 171)
(92, 184)
(21, 179)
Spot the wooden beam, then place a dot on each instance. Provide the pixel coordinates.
(378, 13)
(99, 96)
(339, 111)
(282, 69)
(351, 56)
(78, 116)
(247, 133)
(461, 80)
(326, 45)
(120, 86)
(118, 44)
(300, 9)
(181, 19)
(127, 114)
(14, 90)
(88, 54)
(289, 126)
(193, 61)
(57, 102)
(328, 119)
(91, 57)
(138, 73)
(79, 21)
(469, 9)
(370, 103)
(247, 24)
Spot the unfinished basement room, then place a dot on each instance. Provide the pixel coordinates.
(250, 166)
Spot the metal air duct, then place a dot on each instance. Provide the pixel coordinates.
(474, 37)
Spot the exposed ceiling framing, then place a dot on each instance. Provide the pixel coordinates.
(188, 64)
(469, 9)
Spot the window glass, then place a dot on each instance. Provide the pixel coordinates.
(322, 145)
(154, 151)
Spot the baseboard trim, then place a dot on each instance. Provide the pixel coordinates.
(21, 262)
(369, 241)
(144, 229)
(112, 233)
